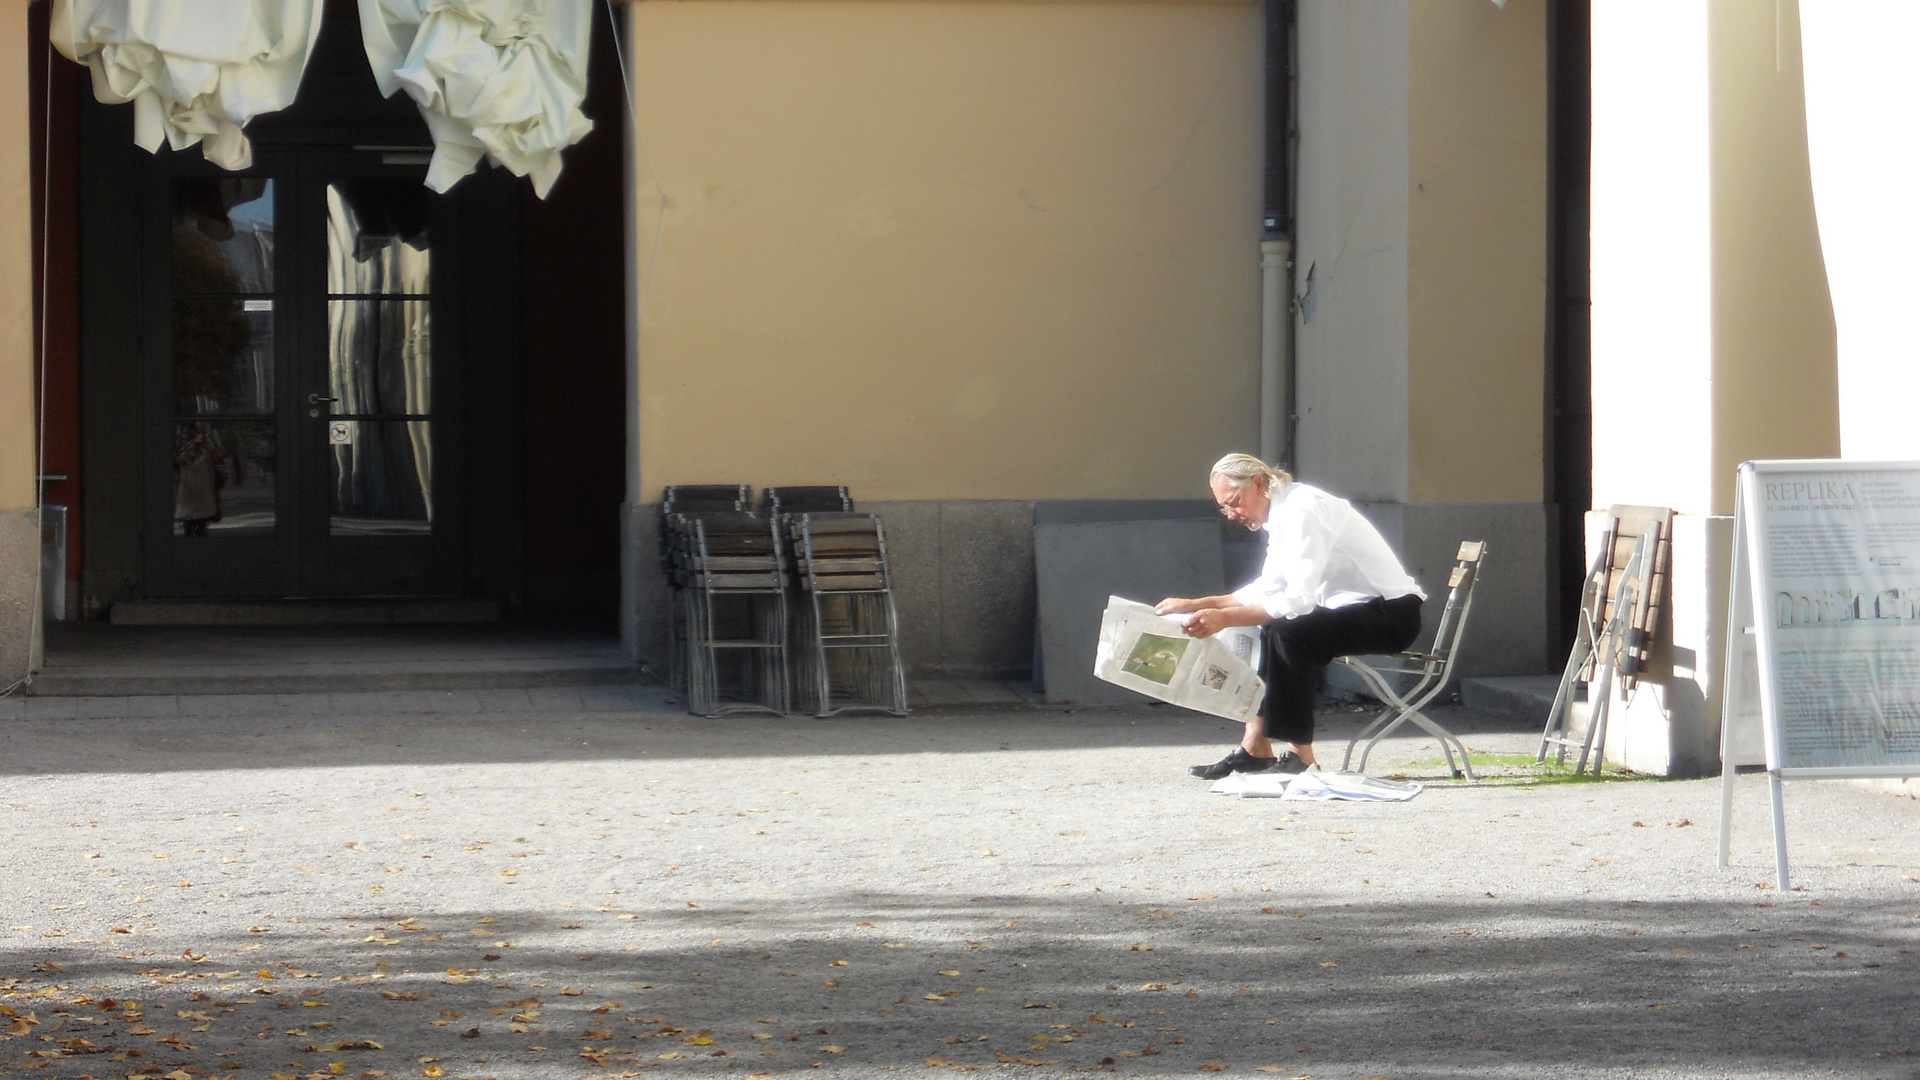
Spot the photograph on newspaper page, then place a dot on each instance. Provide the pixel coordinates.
(1838, 592)
(1152, 654)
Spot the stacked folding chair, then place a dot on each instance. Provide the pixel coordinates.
(732, 588)
(777, 502)
(688, 499)
(1620, 608)
(846, 633)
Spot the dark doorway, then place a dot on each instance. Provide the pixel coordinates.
(317, 378)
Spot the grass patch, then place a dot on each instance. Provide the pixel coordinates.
(1520, 770)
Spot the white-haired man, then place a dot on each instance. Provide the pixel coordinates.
(1330, 587)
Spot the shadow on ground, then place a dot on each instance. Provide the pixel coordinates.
(869, 981)
(270, 733)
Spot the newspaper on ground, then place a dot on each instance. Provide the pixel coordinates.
(1316, 785)
(1152, 654)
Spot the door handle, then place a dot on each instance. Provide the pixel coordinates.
(315, 398)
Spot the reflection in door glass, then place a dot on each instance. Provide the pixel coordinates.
(380, 357)
(222, 356)
(222, 235)
(382, 477)
(377, 236)
(223, 478)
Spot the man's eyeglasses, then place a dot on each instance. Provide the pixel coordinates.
(1227, 508)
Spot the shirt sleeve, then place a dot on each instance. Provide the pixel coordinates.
(1299, 547)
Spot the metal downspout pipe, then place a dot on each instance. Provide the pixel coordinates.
(1276, 244)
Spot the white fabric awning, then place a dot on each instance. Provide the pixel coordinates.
(503, 78)
(196, 72)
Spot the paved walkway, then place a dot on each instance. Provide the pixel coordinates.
(307, 886)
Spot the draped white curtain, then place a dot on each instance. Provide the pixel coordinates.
(500, 78)
(1863, 109)
(195, 70)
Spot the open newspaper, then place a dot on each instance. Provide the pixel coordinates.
(1153, 655)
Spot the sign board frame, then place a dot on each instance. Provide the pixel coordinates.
(1854, 524)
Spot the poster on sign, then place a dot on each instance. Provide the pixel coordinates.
(1823, 636)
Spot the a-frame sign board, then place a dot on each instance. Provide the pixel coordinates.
(1823, 628)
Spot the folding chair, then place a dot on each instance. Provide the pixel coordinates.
(688, 499)
(1613, 634)
(776, 502)
(732, 587)
(1429, 671)
(846, 630)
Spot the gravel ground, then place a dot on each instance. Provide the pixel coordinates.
(283, 889)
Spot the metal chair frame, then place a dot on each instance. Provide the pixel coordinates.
(1613, 632)
(1429, 670)
(847, 612)
(684, 499)
(731, 573)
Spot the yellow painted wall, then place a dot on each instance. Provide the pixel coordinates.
(18, 424)
(1776, 387)
(943, 250)
(1476, 251)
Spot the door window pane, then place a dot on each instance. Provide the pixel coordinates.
(222, 356)
(382, 482)
(222, 235)
(223, 478)
(377, 236)
(380, 357)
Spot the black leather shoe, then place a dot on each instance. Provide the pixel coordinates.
(1238, 761)
(1288, 763)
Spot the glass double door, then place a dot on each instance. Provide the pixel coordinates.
(301, 435)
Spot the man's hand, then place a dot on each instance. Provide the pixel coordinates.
(1174, 605)
(1206, 623)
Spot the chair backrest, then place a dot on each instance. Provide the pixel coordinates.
(1469, 560)
(726, 550)
(775, 501)
(839, 552)
(696, 498)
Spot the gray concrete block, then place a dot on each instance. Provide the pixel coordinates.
(914, 555)
(645, 615)
(1508, 632)
(1079, 566)
(19, 585)
(986, 589)
(1528, 696)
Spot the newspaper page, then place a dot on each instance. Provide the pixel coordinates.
(1840, 552)
(1153, 655)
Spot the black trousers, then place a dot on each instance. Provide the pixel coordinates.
(1295, 653)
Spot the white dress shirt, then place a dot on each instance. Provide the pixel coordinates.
(1322, 553)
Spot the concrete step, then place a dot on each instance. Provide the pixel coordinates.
(96, 660)
(355, 611)
(1527, 696)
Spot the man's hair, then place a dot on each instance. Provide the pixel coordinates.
(1239, 470)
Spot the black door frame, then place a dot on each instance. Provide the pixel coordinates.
(477, 298)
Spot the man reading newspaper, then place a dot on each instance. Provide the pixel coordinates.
(1330, 587)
